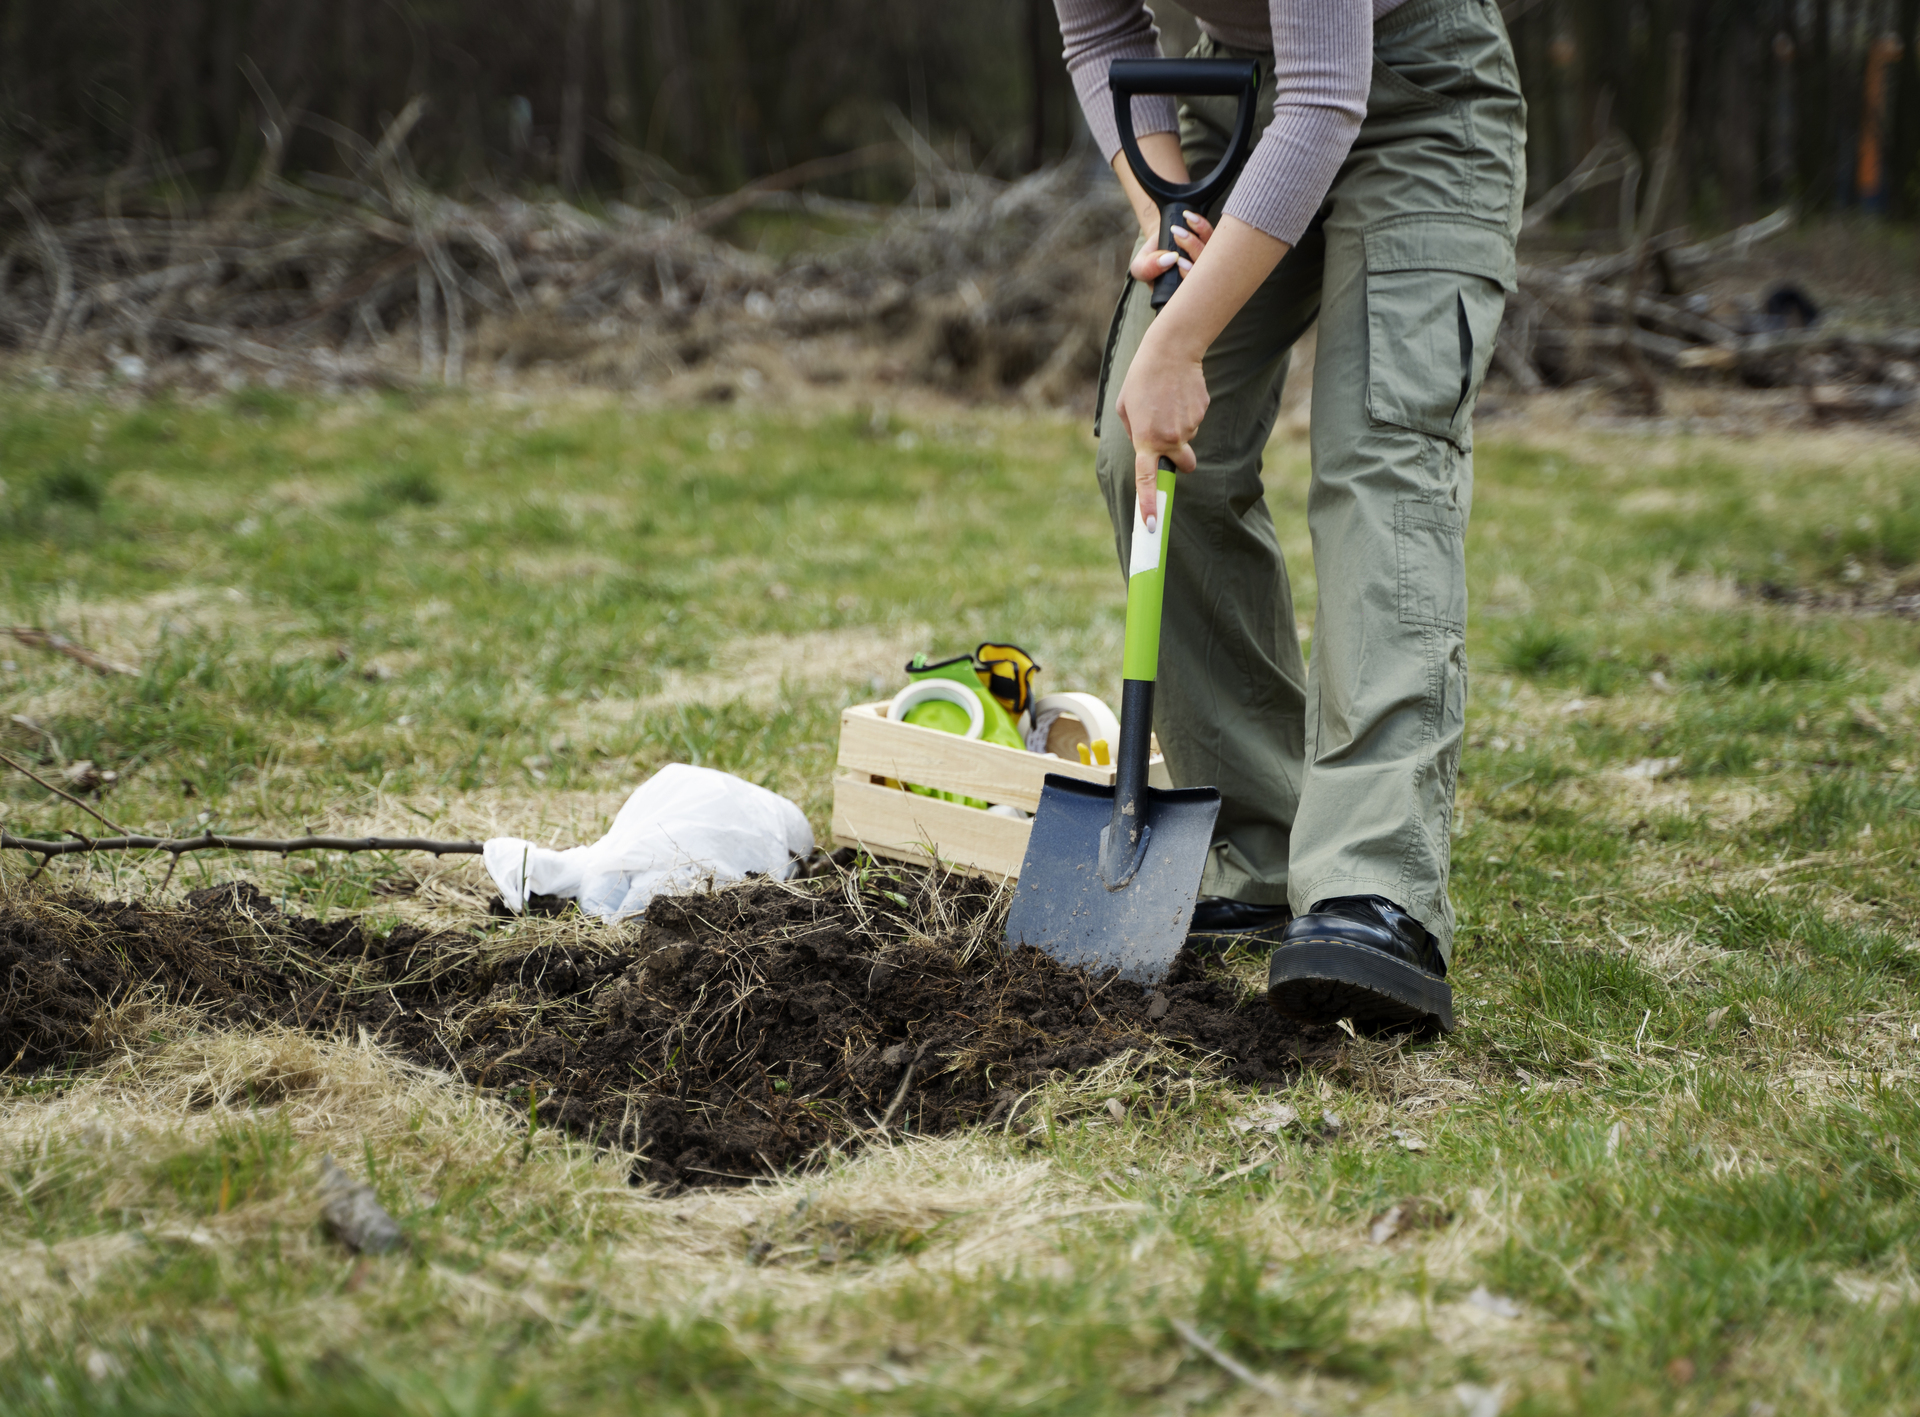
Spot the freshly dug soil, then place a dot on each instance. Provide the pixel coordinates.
(729, 1036)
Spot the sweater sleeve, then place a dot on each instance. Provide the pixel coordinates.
(1323, 71)
(1096, 33)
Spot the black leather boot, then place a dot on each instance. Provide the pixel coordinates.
(1220, 923)
(1360, 957)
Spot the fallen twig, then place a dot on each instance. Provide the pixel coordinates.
(899, 1097)
(178, 846)
(58, 792)
(1228, 1363)
(60, 644)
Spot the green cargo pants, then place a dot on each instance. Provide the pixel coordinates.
(1338, 778)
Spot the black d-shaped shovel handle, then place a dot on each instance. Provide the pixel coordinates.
(1127, 77)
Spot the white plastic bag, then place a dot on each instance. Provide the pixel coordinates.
(683, 827)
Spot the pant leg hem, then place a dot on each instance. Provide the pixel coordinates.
(1237, 885)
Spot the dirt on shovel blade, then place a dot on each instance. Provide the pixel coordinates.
(728, 1036)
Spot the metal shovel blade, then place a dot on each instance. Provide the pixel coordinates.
(1062, 904)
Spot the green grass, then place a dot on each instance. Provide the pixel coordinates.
(1671, 1137)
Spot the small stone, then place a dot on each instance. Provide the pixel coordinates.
(1385, 1225)
(1498, 1305)
(1273, 1118)
(1652, 769)
(82, 776)
(1157, 1007)
(354, 1213)
(1478, 1401)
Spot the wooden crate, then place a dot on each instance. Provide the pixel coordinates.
(904, 826)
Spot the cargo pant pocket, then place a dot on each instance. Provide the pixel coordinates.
(1436, 286)
(1429, 543)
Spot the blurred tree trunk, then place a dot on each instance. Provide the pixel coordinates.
(1903, 138)
(573, 95)
(1040, 33)
(619, 58)
(353, 58)
(1737, 129)
(671, 129)
(230, 130)
(142, 73)
(724, 89)
(184, 42)
(1813, 112)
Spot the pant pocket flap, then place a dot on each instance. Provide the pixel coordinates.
(1443, 242)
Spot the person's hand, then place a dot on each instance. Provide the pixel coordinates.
(1161, 405)
(1164, 396)
(1190, 236)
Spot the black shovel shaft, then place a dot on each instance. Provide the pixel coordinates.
(1168, 280)
(1134, 749)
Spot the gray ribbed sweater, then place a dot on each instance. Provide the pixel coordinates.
(1323, 61)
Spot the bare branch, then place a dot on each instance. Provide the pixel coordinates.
(1611, 158)
(60, 271)
(1231, 1365)
(26, 771)
(60, 644)
(179, 846)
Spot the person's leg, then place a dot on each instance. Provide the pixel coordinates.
(1419, 248)
(1230, 701)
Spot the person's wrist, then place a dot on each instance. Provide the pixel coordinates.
(1169, 339)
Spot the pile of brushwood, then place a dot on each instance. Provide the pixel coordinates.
(974, 284)
(731, 1035)
(1657, 305)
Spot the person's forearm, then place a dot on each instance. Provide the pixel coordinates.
(1235, 262)
(1163, 155)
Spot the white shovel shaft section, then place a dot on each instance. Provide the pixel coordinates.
(1146, 544)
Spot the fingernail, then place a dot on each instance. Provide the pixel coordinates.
(1193, 216)
(1178, 231)
(1153, 526)
(1167, 258)
(1185, 265)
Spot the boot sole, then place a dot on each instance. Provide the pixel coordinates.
(1324, 981)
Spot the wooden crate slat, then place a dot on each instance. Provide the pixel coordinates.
(900, 825)
(874, 744)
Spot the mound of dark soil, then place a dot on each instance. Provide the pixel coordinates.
(729, 1036)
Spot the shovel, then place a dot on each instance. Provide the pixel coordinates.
(1111, 873)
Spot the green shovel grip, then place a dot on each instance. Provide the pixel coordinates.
(1146, 581)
